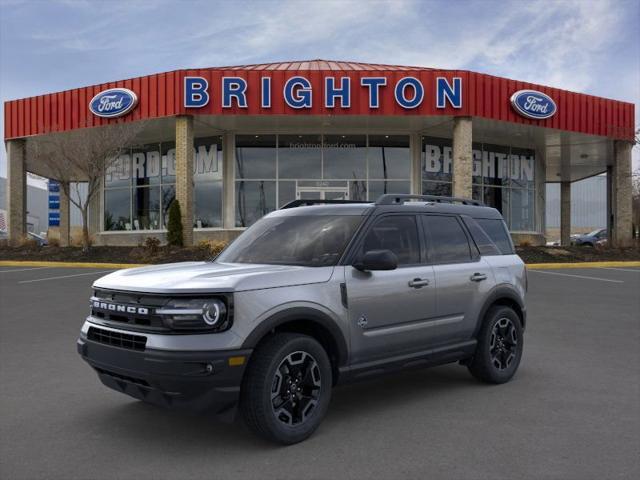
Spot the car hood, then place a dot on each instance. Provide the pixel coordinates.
(194, 277)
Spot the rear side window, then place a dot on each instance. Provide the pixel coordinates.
(483, 242)
(447, 240)
(397, 233)
(498, 233)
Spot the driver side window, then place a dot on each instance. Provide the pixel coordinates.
(398, 233)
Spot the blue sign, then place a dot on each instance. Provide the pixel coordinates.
(54, 219)
(533, 104)
(54, 187)
(54, 203)
(114, 102)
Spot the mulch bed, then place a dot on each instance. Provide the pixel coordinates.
(577, 254)
(172, 254)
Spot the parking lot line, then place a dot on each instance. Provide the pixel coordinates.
(578, 276)
(23, 269)
(637, 270)
(64, 276)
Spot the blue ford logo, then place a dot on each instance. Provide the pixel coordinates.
(533, 104)
(114, 102)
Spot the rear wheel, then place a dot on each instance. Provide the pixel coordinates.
(499, 349)
(287, 388)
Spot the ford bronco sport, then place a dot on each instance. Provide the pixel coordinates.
(317, 293)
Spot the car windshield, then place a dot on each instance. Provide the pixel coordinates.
(594, 233)
(309, 241)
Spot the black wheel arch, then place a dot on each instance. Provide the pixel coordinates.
(307, 321)
(503, 295)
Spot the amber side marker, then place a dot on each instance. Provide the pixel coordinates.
(236, 361)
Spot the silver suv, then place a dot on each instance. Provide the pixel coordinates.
(312, 295)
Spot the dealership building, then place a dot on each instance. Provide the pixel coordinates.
(234, 143)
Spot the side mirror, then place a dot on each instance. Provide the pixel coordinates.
(377, 260)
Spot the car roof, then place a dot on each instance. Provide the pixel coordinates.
(391, 203)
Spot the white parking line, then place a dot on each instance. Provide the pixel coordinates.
(64, 276)
(23, 269)
(578, 276)
(621, 269)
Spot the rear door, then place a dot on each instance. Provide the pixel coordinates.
(389, 311)
(462, 277)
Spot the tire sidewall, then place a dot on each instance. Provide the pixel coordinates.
(296, 433)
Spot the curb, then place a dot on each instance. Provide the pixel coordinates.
(29, 263)
(541, 266)
(532, 266)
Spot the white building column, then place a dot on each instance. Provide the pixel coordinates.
(565, 213)
(462, 157)
(16, 191)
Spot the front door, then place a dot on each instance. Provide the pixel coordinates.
(390, 311)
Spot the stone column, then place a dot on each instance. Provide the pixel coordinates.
(462, 157)
(16, 191)
(65, 215)
(621, 184)
(228, 181)
(565, 213)
(415, 147)
(184, 174)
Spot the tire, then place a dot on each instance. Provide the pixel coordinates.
(499, 349)
(297, 370)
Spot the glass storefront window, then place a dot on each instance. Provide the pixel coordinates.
(344, 156)
(117, 209)
(147, 174)
(389, 157)
(256, 156)
(146, 208)
(436, 188)
(521, 205)
(254, 199)
(300, 156)
(381, 187)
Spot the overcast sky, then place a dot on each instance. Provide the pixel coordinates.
(582, 45)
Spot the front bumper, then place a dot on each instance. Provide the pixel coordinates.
(198, 381)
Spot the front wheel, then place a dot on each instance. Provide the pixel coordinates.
(499, 349)
(287, 388)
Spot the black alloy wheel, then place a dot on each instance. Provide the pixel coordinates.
(295, 390)
(499, 347)
(504, 343)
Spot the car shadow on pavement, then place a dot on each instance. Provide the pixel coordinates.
(135, 421)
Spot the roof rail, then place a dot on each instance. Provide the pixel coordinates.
(318, 201)
(399, 199)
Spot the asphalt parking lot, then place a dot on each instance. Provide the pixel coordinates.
(572, 411)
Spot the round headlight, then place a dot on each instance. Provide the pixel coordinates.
(213, 312)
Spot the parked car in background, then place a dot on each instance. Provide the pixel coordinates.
(591, 239)
(40, 239)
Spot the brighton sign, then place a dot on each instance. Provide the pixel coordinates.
(298, 93)
(533, 104)
(113, 103)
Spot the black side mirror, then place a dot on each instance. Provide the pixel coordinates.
(377, 260)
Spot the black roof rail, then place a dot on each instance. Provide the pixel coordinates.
(399, 199)
(318, 201)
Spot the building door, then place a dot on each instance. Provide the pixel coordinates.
(322, 192)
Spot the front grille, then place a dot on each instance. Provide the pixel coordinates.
(121, 308)
(117, 339)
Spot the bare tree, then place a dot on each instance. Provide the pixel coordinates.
(84, 156)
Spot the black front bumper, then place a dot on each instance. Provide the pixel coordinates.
(189, 380)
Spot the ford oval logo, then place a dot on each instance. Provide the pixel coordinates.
(533, 104)
(114, 102)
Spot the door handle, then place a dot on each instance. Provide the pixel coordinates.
(478, 277)
(418, 283)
